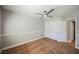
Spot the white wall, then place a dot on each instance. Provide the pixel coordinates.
(77, 32)
(18, 28)
(56, 29)
(0, 27)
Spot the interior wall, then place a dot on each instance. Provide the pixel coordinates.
(56, 29)
(19, 28)
(0, 27)
(77, 32)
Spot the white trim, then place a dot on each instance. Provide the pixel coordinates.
(61, 40)
(20, 43)
(69, 40)
(7, 34)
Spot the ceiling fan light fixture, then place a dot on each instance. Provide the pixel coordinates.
(45, 15)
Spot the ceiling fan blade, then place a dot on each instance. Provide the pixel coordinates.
(50, 11)
(49, 16)
(38, 14)
(41, 17)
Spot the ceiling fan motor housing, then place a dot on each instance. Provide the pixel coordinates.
(45, 11)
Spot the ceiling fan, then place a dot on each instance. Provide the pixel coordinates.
(45, 13)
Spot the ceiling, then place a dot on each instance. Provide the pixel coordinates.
(30, 10)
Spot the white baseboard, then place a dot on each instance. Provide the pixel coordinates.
(20, 44)
(69, 40)
(61, 40)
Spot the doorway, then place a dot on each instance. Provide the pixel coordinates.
(73, 30)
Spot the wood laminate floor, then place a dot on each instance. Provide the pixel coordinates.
(43, 46)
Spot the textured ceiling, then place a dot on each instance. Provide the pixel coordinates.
(30, 10)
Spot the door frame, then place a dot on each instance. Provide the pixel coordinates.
(68, 30)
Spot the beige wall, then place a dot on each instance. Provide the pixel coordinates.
(19, 28)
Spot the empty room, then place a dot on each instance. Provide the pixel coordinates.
(39, 29)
